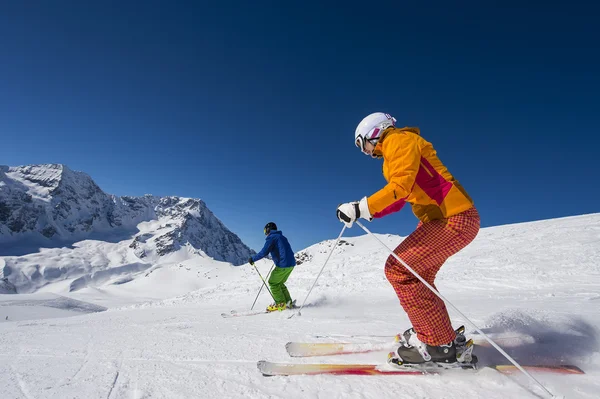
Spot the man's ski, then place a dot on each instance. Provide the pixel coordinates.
(307, 349)
(234, 313)
(286, 369)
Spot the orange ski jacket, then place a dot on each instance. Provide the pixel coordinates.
(414, 174)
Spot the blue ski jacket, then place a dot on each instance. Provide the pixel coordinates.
(279, 248)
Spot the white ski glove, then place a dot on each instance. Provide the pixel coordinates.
(347, 213)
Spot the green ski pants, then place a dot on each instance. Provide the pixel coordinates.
(277, 283)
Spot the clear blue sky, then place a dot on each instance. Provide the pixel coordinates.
(252, 106)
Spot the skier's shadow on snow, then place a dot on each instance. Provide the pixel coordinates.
(552, 344)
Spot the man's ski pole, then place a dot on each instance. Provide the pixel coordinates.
(506, 355)
(326, 260)
(264, 282)
(261, 287)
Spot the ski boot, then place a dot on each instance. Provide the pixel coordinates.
(276, 307)
(405, 336)
(464, 350)
(412, 353)
(291, 304)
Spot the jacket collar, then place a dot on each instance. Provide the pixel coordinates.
(378, 151)
(273, 232)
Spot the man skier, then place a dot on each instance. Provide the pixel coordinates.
(282, 255)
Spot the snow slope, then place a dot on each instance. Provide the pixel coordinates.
(542, 278)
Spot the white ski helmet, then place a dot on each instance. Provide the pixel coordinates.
(371, 127)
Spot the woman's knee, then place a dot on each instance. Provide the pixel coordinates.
(394, 271)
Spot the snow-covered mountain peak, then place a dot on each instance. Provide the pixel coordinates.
(45, 181)
(53, 206)
(37, 181)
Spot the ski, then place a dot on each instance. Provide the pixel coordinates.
(305, 349)
(287, 369)
(308, 349)
(234, 313)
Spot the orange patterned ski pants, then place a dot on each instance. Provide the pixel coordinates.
(425, 251)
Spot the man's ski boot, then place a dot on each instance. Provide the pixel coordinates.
(416, 354)
(291, 304)
(276, 307)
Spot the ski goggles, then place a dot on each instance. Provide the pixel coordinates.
(360, 143)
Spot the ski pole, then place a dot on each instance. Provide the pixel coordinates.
(326, 260)
(260, 290)
(264, 282)
(506, 355)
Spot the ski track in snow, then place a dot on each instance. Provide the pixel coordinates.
(86, 359)
(22, 387)
(114, 383)
(539, 278)
(84, 362)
